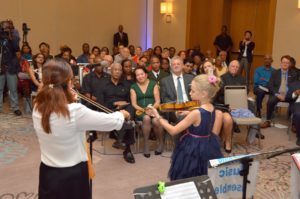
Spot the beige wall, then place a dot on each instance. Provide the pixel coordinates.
(287, 31)
(174, 33)
(73, 22)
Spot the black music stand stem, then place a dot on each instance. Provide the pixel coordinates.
(246, 163)
(91, 140)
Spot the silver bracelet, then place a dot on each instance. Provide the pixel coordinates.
(158, 118)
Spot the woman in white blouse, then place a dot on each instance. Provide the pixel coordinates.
(60, 125)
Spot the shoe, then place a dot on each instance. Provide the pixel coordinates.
(147, 155)
(17, 112)
(258, 114)
(113, 135)
(266, 124)
(227, 150)
(157, 152)
(118, 145)
(260, 135)
(128, 157)
(236, 129)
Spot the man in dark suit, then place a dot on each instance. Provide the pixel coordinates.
(176, 86)
(293, 96)
(120, 38)
(279, 84)
(246, 54)
(156, 73)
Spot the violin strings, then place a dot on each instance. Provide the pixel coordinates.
(107, 110)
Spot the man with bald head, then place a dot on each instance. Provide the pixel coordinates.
(232, 77)
(114, 95)
(120, 38)
(261, 79)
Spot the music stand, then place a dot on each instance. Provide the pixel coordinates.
(246, 160)
(203, 184)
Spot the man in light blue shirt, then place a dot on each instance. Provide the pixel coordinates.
(261, 79)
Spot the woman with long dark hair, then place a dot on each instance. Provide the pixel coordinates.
(60, 125)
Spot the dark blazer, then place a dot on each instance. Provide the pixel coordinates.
(275, 80)
(292, 88)
(250, 48)
(161, 75)
(168, 90)
(120, 41)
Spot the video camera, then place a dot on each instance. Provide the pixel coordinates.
(4, 32)
(25, 28)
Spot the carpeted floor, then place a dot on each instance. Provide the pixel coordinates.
(19, 163)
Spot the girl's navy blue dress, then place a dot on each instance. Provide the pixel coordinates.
(195, 148)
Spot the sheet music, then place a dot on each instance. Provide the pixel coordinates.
(186, 190)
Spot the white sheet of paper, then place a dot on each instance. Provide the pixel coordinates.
(186, 190)
(263, 88)
(280, 126)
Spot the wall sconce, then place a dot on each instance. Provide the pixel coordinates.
(167, 9)
(299, 4)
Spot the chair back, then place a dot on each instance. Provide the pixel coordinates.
(236, 96)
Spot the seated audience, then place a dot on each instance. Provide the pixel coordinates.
(261, 80)
(138, 53)
(182, 54)
(293, 66)
(189, 53)
(227, 126)
(278, 86)
(96, 51)
(197, 64)
(109, 60)
(35, 73)
(223, 56)
(84, 57)
(143, 93)
(105, 49)
(172, 52)
(293, 96)
(156, 73)
(157, 51)
(143, 61)
(115, 95)
(220, 69)
(175, 87)
(45, 50)
(188, 66)
(165, 65)
(26, 51)
(127, 71)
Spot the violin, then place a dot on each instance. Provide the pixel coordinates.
(179, 106)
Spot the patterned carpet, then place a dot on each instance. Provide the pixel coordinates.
(19, 161)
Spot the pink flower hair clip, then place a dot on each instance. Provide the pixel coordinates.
(212, 79)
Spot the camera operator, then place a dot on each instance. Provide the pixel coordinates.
(9, 65)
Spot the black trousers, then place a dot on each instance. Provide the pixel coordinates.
(62, 183)
(260, 94)
(273, 100)
(126, 133)
(296, 117)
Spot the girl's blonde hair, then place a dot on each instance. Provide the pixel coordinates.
(208, 83)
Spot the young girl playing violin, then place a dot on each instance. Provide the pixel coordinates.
(200, 143)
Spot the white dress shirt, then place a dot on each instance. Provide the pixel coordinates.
(296, 96)
(185, 97)
(65, 146)
(156, 74)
